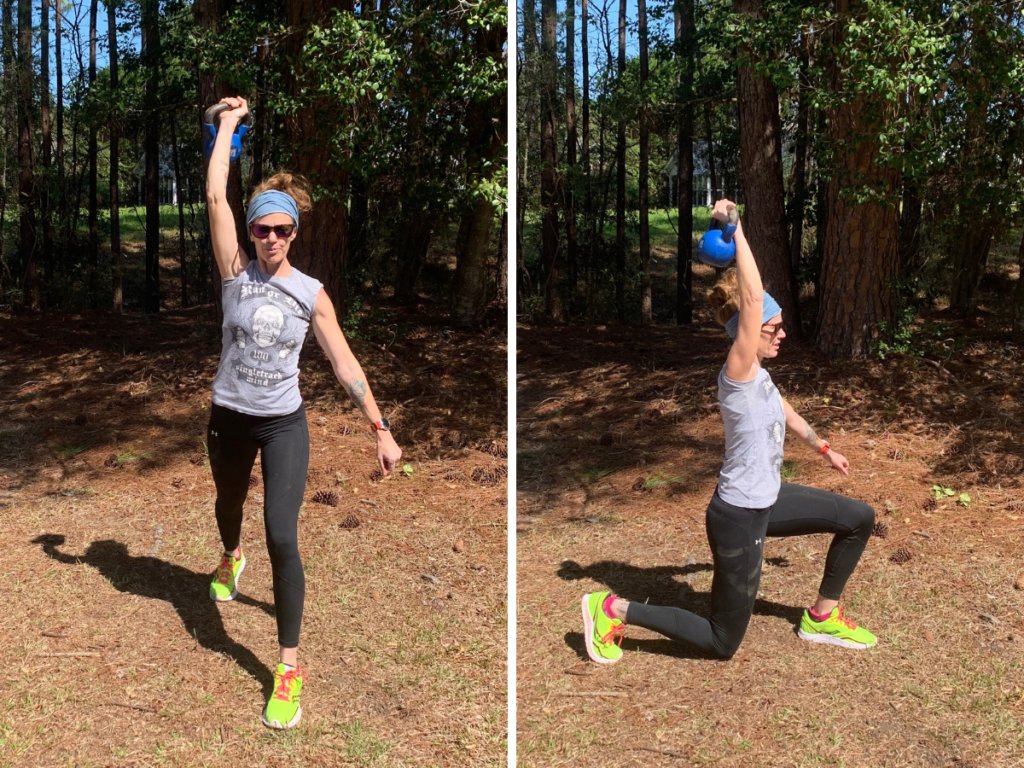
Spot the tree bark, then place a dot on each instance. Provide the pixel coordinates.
(570, 149)
(411, 248)
(26, 156)
(970, 259)
(549, 162)
(764, 216)
(861, 255)
(501, 271)
(1017, 323)
(620, 178)
(684, 29)
(47, 136)
(646, 308)
(93, 160)
(471, 275)
(7, 110)
(151, 63)
(588, 212)
(59, 62)
(182, 260)
(797, 201)
(115, 128)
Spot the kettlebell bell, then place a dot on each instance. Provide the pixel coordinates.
(210, 122)
(716, 248)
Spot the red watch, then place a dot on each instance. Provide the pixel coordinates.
(383, 424)
(824, 449)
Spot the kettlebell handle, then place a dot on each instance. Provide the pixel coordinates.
(728, 228)
(212, 115)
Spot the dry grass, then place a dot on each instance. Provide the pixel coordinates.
(619, 444)
(117, 656)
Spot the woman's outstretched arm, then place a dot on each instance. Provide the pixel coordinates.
(351, 376)
(796, 423)
(231, 260)
(739, 366)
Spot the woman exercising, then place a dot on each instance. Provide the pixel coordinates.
(750, 503)
(268, 308)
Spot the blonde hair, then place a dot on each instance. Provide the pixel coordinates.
(292, 184)
(725, 297)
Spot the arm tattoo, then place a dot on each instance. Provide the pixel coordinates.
(357, 389)
(810, 437)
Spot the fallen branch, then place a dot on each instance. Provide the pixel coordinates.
(131, 706)
(668, 752)
(70, 653)
(922, 533)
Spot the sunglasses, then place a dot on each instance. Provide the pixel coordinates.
(772, 328)
(262, 231)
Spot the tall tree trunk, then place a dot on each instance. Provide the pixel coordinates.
(486, 126)
(570, 149)
(549, 161)
(501, 271)
(588, 215)
(684, 29)
(971, 257)
(620, 178)
(114, 127)
(7, 110)
(411, 249)
(93, 160)
(47, 136)
(796, 212)
(764, 216)
(182, 260)
(1017, 324)
(151, 59)
(646, 309)
(716, 191)
(862, 246)
(26, 156)
(61, 192)
(469, 289)
(321, 242)
(910, 226)
(821, 197)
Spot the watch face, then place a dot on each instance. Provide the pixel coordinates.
(385, 424)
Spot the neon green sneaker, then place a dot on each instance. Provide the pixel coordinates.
(835, 630)
(225, 583)
(599, 631)
(283, 710)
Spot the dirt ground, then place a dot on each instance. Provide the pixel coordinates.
(117, 656)
(619, 442)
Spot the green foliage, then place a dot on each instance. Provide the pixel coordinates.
(898, 338)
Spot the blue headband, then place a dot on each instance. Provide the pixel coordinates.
(771, 308)
(272, 201)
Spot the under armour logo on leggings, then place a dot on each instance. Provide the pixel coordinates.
(757, 542)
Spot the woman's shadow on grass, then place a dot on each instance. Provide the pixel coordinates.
(186, 590)
(659, 587)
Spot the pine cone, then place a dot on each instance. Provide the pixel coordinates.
(901, 555)
(881, 529)
(930, 504)
(896, 455)
(376, 476)
(330, 498)
(498, 449)
(111, 462)
(641, 485)
(178, 482)
(345, 430)
(253, 482)
(197, 459)
(451, 474)
(349, 522)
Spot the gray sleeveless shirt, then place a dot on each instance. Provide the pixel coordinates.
(755, 430)
(265, 323)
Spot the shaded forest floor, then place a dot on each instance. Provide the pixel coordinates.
(619, 442)
(117, 655)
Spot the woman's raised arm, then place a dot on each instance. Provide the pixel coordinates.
(231, 260)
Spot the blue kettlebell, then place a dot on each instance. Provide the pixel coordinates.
(716, 248)
(210, 122)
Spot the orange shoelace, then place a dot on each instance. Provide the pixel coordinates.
(284, 688)
(224, 572)
(845, 621)
(615, 635)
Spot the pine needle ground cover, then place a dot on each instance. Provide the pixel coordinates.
(619, 442)
(115, 653)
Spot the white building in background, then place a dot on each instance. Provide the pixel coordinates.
(168, 189)
(702, 192)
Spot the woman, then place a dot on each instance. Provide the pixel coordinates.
(268, 308)
(750, 503)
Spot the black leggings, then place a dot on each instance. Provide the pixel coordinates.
(233, 439)
(737, 539)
